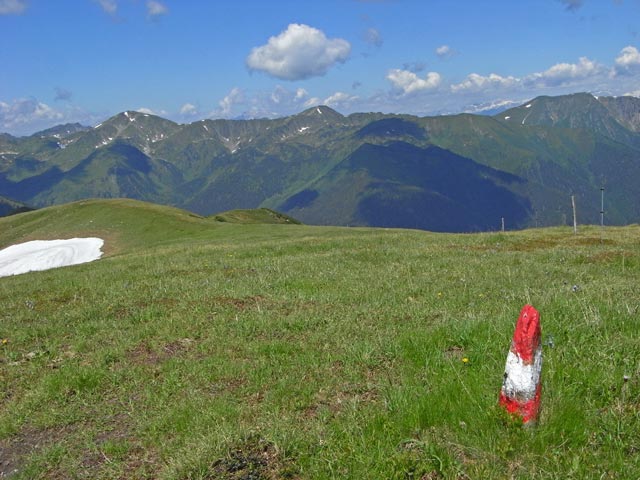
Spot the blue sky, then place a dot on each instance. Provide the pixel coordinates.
(85, 60)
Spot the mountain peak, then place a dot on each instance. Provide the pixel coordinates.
(321, 111)
(61, 131)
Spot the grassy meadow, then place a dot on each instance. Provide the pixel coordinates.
(197, 349)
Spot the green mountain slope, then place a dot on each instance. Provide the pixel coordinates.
(125, 225)
(609, 117)
(401, 185)
(253, 216)
(556, 146)
(11, 207)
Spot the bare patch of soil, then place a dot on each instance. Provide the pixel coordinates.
(16, 449)
(254, 459)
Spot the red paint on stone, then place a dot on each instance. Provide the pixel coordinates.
(525, 344)
(526, 338)
(526, 410)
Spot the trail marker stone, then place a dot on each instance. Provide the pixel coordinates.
(521, 387)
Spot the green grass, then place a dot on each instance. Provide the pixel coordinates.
(257, 215)
(198, 350)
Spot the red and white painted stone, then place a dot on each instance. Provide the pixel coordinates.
(521, 387)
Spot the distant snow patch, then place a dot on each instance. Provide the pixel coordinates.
(319, 111)
(527, 106)
(46, 254)
(302, 129)
(507, 117)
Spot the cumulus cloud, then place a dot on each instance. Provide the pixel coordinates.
(234, 97)
(12, 7)
(155, 9)
(572, 5)
(565, 73)
(339, 99)
(146, 110)
(26, 114)
(408, 82)
(373, 37)
(628, 62)
(300, 94)
(188, 110)
(477, 83)
(281, 100)
(445, 51)
(560, 74)
(109, 6)
(298, 53)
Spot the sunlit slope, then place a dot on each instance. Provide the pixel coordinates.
(207, 349)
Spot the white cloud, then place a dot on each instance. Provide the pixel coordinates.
(340, 99)
(409, 82)
(188, 109)
(445, 51)
(26, 115)
(632, 94)
(298, 53)
(109, 6)
(477, 83)
(151, 111)
(565, 73)
(313, 101)
(234, 97)
(155, 8)
(283, 99)
(628, 62)
(12, 7)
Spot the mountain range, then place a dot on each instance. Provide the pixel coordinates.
(455, 173)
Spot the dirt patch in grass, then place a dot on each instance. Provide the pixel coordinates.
(347, 395)
(253, 459)
(145, 354)
(611, 257)
(15, 450)
(226, 385)
(234, 272)
(115, 448)
(534, 244)
(592, 241)
(455, 352)
(255, 302)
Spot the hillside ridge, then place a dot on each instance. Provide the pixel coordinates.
(558, 146)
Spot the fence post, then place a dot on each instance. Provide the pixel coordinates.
(575, 218)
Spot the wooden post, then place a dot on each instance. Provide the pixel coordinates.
(575, 218)
(601, 212)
